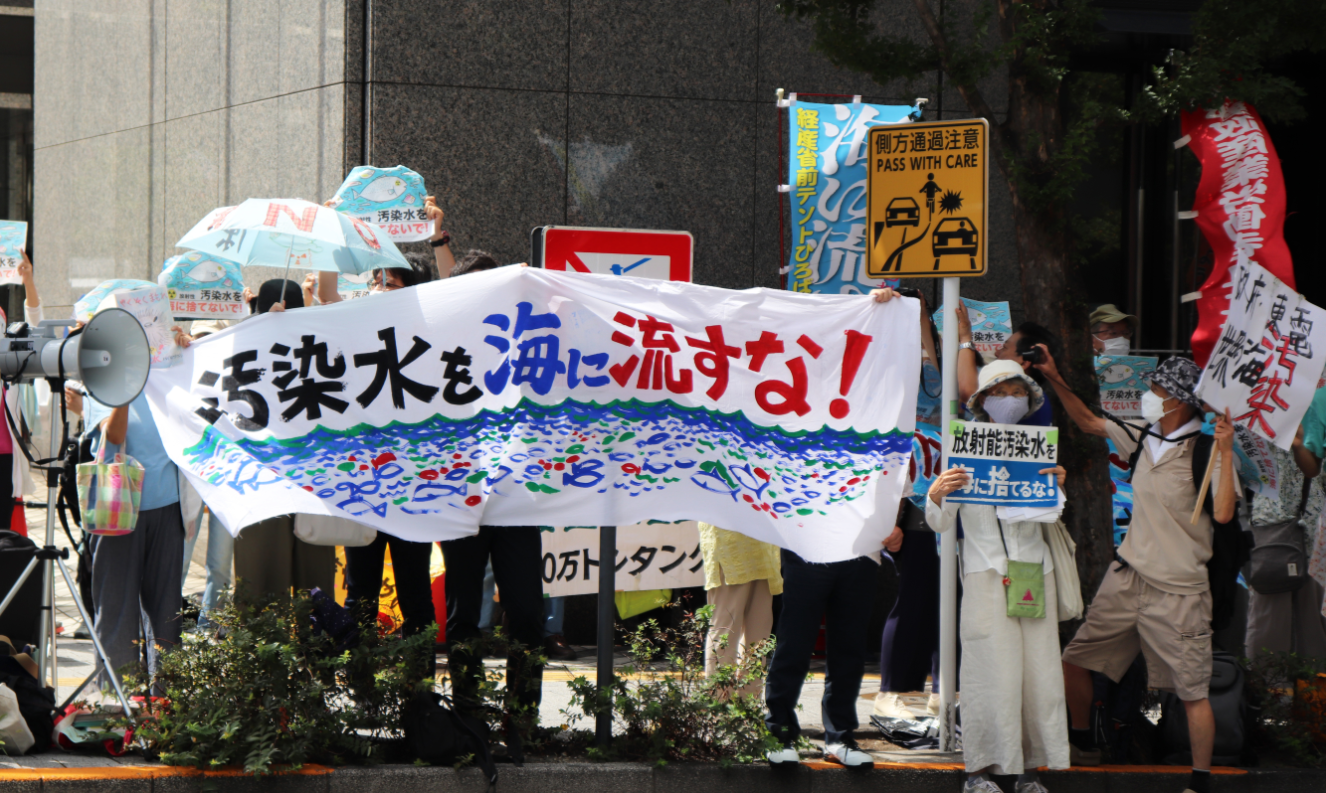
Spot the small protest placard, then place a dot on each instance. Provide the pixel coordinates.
(1265, 368)
(390, 198)
(352, 285)
(1121, 383)
(1005, 463)
(649, 556)
(202, 287)
(152, 308)
(990, 325)
(1256, 463)
(13, 241)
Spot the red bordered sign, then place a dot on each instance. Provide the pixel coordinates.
(665, 255)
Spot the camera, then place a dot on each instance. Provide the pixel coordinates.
(1030, 352)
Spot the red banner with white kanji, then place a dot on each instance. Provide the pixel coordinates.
(1240, 207)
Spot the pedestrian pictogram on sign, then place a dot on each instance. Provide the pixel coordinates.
(665, 255)
(926, 195)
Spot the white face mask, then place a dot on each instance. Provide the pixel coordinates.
(1153, 407)
(1007, 409)
(1120, 345)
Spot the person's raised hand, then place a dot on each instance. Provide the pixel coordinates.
(73, 399)
(181, 338)
(964, 322)
(309, 286)
(893, 543)
(435, 214)
(954, 478)
(1224, 432)
(25, 269)
(248, 295)
(1058, 472)
(883, 294)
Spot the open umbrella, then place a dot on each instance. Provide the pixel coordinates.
(294, 233)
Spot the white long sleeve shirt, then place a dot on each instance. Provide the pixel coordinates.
(982, 548)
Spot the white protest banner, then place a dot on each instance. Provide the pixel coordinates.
(524, 397)
(649, 556)
(203, 287)
(152, 308)
(1265, 367)
(1005, 462)
(13, 242)
(390, 198)
(991, 325)
(1122, 383)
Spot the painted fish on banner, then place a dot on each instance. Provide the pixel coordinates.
(1122, 381)
(827, 176)
(529, 397)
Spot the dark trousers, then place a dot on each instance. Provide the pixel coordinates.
(409, 564)
(842, 593)
(909, 649)
(517, 556)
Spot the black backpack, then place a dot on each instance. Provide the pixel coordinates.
(35, 704)
(437, 734)
(1231, 546)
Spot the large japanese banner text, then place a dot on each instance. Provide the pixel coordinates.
(649, 556)
(528, 397)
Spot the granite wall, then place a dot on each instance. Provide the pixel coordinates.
(518, 113)
(150, 113)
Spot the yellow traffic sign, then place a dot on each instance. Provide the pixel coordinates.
(926, 199)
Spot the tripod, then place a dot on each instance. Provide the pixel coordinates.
(51, 557)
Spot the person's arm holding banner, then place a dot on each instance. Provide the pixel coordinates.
(440, 241)
(969, 366)
(939, 515)
(32, 313)
(1082, 416)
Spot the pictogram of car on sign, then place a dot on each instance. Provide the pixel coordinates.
(902, 212)
(954, 237)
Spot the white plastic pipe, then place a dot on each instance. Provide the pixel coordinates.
(948, 541)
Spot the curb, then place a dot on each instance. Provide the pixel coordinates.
(582, 777)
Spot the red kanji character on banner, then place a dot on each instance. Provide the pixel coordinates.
(656, 373)
(713, 361)
(792, 395)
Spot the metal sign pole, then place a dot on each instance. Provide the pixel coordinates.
(948, 542)
(607, 611)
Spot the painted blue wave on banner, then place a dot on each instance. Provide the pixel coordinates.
(638, 447)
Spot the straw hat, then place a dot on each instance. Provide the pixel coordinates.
(996, 372)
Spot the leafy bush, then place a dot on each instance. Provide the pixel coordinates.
(664, 708)
(1292, 694)
(271, 690)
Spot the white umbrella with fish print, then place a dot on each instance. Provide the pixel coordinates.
(293, 233)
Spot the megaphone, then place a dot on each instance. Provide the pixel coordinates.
(111, 355)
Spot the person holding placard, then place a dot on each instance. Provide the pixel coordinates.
(1013, 718)
(1159, 597)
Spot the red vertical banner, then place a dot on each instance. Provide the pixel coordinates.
(1240, 207)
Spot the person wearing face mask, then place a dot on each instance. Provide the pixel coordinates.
(1013, 718)
(1158, 598)
(1111, 330)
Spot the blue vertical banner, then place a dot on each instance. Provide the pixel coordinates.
(827, 176)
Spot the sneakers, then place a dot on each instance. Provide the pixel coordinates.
(888, 706)
(980, 784)
(784, 756)
(932, 704)
(556, 648)
(1034, 786)
(847, 753)
(1083, 757)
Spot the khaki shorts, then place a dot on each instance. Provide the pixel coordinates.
(1172, 631)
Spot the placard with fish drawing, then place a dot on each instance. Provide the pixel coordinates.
(1122, 383)
(991, 325)
(390, 198)
(13, 238)
(203, 287)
